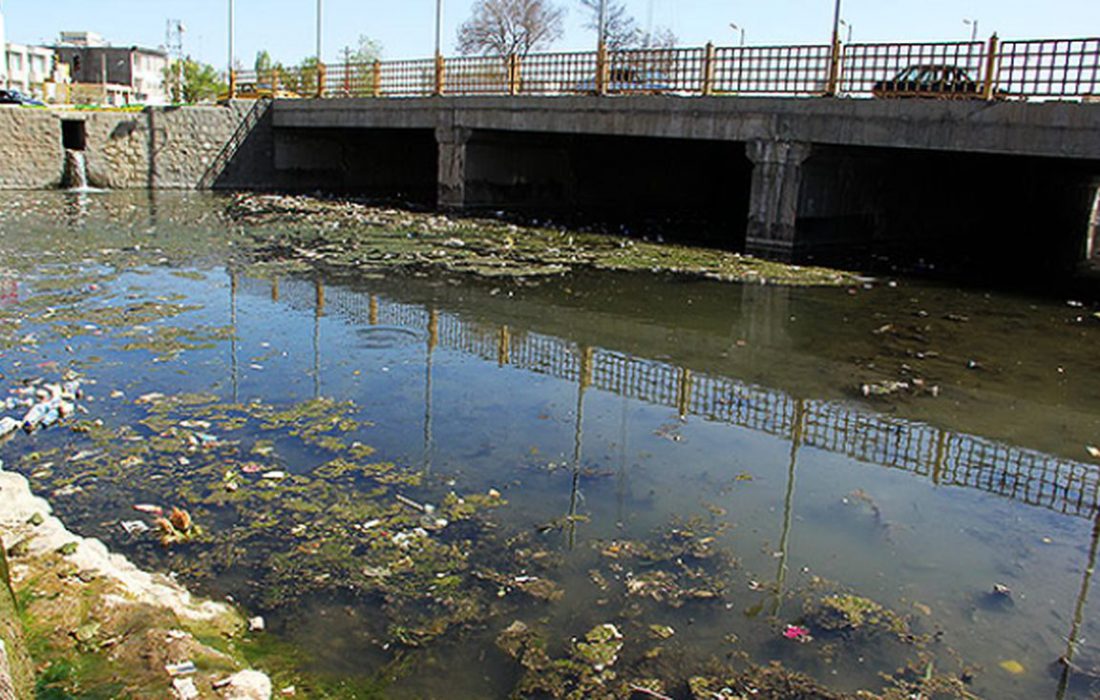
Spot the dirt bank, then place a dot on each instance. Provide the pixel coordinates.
(97, 626)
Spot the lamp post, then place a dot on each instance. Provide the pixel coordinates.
(602, 23)
(973, 24)
(834, 62)
(736, 28)
(847, 25)
(231, 73)
(319, 12)
(836, 24)
(438, 27)
(602, 72)
(440, 78)
(320, 61)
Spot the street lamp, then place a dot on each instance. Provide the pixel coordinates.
(849, 26)
(319, 10)
(834, 54)
(602, 23)
(231, 74)
(973, 23)
(735, 28)
(836, 24)
(438, 27)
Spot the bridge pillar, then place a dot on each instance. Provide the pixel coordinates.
(773, 201)
(452, 141)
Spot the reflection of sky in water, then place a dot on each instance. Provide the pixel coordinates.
(921, 505)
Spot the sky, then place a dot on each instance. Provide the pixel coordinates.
(405, 28)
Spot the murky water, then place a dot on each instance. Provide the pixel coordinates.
(613, 414)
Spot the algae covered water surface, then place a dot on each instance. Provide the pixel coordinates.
(585, 484)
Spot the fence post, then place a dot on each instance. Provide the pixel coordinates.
(601, 69)
(708, 70)
(991, 60)
(376, 79)
(513, 74)
(232, 84)
(320, 80)
(440, 74)
(834, 67)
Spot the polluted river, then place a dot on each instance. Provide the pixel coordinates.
(444, 471)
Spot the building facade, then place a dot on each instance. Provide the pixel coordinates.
(29, 68)
(113, 74)
(4, 58)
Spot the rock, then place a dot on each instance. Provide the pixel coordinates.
(185, 689)
(247, 685)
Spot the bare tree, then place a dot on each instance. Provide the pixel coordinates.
(659, 38)
(511, 27)
(622, 31)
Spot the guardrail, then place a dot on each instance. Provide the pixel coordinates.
(994, 69)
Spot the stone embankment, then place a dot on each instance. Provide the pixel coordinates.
(158, 147)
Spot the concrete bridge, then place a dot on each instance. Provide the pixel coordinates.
(779, 177)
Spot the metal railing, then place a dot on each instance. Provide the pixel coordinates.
(1049, 68)
(864, 65)
(946, 458)
(1018, 69)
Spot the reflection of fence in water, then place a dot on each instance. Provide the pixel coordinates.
(947, 458)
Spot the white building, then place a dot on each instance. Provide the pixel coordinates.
(3, 59)
(28, 68)
(85, 39)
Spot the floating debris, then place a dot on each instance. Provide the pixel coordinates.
(797, 633)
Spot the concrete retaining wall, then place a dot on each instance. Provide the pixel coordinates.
(167, 148)
(31, 156)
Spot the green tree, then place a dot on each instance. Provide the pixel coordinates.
(201, 82)
(263, 62)
(368, 50)
(358, 71)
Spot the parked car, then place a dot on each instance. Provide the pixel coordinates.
(14, 97)
(628, 81)
(256, 91)
(930, 81)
